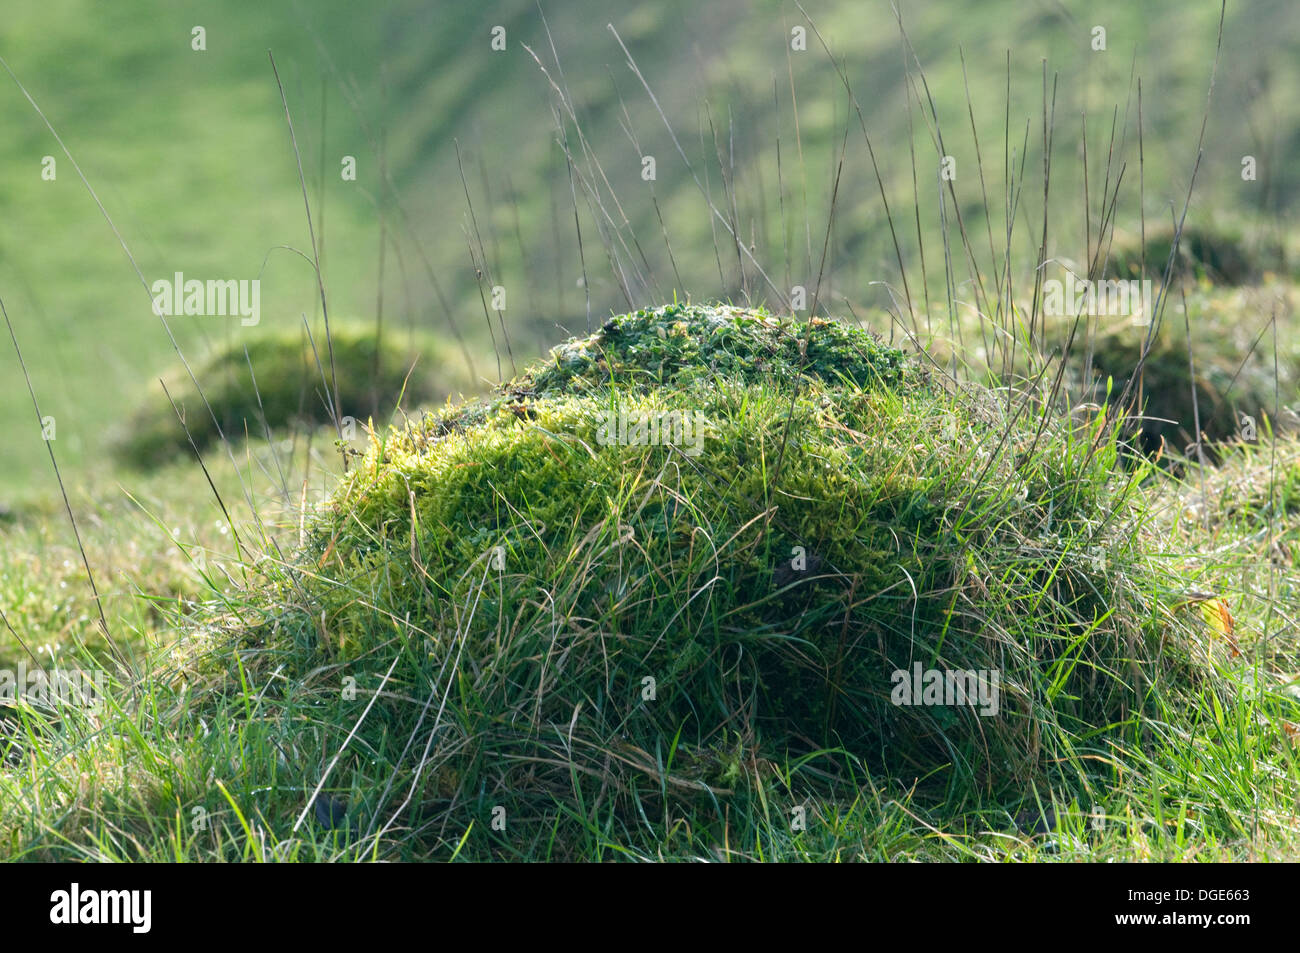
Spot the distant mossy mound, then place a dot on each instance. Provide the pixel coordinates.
(574, 594)
(1222, 256)
(281, 382)
(1229, 387)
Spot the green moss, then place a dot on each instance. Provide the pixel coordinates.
(682, 344)
(601, 617)
(285, 388)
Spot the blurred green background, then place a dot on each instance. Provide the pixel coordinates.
(190, 154)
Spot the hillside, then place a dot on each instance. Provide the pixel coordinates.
(190, 154)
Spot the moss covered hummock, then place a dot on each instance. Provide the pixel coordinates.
(289, 388)
(596, 612)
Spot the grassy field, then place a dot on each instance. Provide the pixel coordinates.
(230, 731)
(353, 621)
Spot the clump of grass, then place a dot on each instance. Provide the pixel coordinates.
(289, 386)
(561, 625)
(1248, 504)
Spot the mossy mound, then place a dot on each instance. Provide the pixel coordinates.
(284, 388)
(599, 619)
(1223, 257)
(1233, 390)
